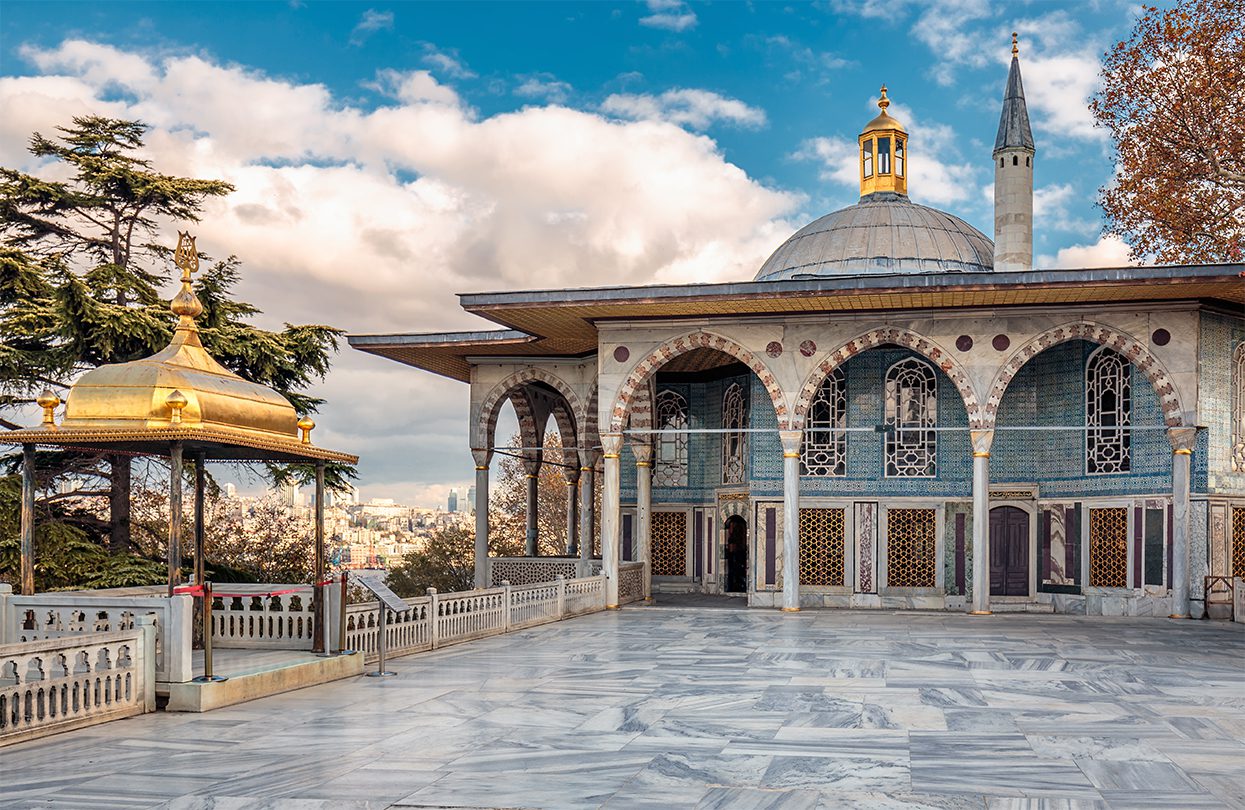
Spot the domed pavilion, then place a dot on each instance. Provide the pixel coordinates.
(898, 411)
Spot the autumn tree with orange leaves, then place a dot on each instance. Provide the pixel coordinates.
(1173, 98)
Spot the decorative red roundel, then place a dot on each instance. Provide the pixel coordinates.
(774, 348)
(807, 348)
(1161, 337)
(1001, 342)
(964, 343)
(621, 354)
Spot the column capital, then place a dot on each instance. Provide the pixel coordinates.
(791, 440)
(643, 454)
(483, 457)
(1182, 440)
(611, 444)
(982, 440)
(532, 461)
(571, 474)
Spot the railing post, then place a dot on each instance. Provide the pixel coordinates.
(6, 593)
(506, 596)
(178, 634)
(147, 641)
(561, 580)
(434, 624)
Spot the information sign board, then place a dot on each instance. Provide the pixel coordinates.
(377, 586)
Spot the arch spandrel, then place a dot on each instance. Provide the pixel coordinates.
(485, 422)
(643, 370)
(1126, 345)
(924, 346)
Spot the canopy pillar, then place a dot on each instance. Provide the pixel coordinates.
(28, 520)
(175, 515)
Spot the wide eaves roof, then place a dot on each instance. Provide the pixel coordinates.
(562, 323)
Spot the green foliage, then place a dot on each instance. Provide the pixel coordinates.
(446, 563)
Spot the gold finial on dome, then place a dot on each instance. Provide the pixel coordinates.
(883, 153)
(1015, 47)
(186, 303)
(306, 425)
(176, 402)
(48, 400)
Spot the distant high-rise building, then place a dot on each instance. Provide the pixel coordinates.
(231, 490)
(471, 497)
(452, 506)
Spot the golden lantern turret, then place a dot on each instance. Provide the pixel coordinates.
(883, 153)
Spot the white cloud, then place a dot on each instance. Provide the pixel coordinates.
(671, 15)
(371, 22)
(543, 85)
(447, 61)
(1108, 251)
(371, 219)
(945, 27)
(697, 109)
(1052, 210)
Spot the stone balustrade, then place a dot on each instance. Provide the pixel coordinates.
(246, 616)
(68, 614)
(54, 684)
(440, 619)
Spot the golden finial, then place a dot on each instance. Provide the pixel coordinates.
(176, 401)
(186, 257)
(884, 102)
(306, 425)
(1015, 47)
(48, 401)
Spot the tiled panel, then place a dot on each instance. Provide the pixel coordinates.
(1212, 463)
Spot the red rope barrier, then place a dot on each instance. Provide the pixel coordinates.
(197, 590)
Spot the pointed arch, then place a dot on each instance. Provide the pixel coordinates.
(490, 408)
(940, 357)
(672, 348)
(1126, 345)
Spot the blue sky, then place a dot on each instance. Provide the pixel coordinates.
(388, 155)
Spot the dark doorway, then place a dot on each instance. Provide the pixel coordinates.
(1009, 551)
(736, 554)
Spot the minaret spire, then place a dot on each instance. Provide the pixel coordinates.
(1014, 152)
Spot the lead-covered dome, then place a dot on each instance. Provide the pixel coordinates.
(883, 233)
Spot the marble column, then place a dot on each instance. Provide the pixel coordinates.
(611, 443)
(175, 515)
(982, 440)
(319, 637)
(572, 503)
(587, 505)
(1182, 440)
(791, 518)
(531, 546)
(644, 512)
(482, 458)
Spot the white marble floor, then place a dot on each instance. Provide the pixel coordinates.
(710, 709)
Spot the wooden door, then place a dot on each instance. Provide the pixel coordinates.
(1009, 551)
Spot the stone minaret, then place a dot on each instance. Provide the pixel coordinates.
(1013, 177)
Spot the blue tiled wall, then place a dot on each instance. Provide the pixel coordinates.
(1219, 337)
(1050, 390)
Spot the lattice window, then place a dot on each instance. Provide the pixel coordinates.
(670, 469)
(1238, 409)
(735, 440)
(911, 550)
(1108, 413)
(825, 442)
(1108, 547)
(669, 546)
(911, 410)
(821, 546)
(1238, 541)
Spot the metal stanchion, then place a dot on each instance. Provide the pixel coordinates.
(323, 595)
(381, 672)
(341, 638)
(207, 676)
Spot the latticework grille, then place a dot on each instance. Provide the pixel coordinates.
(669, 544)
(910, 548)
(821, 546)
(1238, 542)
(911, 406)
(1108, 547)
(824, 452)
(1108, 412)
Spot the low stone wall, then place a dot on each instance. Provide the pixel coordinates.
(56, 684)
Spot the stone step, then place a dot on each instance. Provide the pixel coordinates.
(1021, 607)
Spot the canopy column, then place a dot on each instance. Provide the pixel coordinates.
(1182, 441)
(175, 515)
(791, 518)
(587, 505)
(482, 458)
(572, 508)
(200, 573)
(28, 520)
(644, 512)
(318, 643)
(982, 440)
(611, 503)
(532, 537)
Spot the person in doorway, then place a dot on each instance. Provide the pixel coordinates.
(736, 555)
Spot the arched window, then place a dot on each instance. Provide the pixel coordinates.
(825, 442)
(866, 158)
(1108, 413)
(734, 441)
(899, 156)
(884, 155)
(1238, 409)
(911, 410)
(671, 467)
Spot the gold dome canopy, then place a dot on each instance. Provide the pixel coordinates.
(883, 120)
(179, 386)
